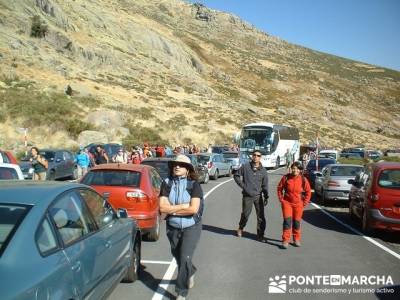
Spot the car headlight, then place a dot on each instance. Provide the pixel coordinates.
(30, 171)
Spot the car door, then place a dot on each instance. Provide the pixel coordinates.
(85, 249)
(115, 237)
(59, 165)
(69, 164)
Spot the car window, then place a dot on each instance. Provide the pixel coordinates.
(102, 212)
(4, 158)
(203, 159)
(45, 239)
(160, 166)
(345, 170)
(8, 173)
(48, 155)
(112, 178)
(389, 179)
(231, 155)
(155, 180)
(67, 155)
(72, 220)
(10, 217)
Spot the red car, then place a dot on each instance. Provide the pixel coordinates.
(7, 157)
(375, 197)
(133, 187)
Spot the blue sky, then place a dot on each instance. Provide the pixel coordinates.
(363, 30)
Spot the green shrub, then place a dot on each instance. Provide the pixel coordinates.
(139, 135)
(39, 28)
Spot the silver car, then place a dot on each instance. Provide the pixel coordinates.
(216, 164)
(332, 182)
(233, 158)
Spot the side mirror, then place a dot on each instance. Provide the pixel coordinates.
(351, 181)
(122, 213)
(318, 174)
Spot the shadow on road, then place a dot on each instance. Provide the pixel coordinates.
(246, 235)
(152, 283)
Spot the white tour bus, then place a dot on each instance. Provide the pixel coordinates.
(272, 140)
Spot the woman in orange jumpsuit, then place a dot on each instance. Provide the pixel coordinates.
(294, 193)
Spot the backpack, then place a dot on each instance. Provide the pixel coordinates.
(303, 180)
(189, 187)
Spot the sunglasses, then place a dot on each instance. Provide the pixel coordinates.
(256, 155)
(180, 165)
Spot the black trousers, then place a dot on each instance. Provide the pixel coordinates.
(247, 204)
(183, 243)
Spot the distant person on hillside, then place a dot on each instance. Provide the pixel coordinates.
(39, 164)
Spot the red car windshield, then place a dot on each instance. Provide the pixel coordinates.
(389, 179)
(11, 216)
(112, 178)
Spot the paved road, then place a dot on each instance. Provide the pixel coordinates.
(241, 268)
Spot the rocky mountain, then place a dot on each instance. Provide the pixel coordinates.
(170, 70)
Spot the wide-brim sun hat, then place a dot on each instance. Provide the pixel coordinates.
(182, 159)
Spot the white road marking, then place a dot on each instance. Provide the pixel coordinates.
(159, 262)
(371, 240)
(162, 288)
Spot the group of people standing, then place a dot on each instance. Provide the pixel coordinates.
(181, 199)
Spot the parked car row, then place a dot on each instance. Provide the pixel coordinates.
(78, 246)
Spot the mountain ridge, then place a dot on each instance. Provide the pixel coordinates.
(187, 72)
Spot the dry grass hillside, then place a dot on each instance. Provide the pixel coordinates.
(168, 70)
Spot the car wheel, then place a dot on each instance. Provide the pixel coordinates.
(366, 226)
(278, 163)
(132, 273)
(206, 178)
(216, 175)
(154, 234)
(52, 175)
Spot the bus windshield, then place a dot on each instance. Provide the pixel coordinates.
(257, 138)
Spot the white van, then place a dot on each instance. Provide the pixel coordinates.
(329, 153)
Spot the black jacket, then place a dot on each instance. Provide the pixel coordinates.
(252, 180)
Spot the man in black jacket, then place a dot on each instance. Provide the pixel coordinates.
(253, 179)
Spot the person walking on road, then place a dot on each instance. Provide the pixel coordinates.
(120, 157)
(181, 198)
(253, 179)
(294, 193)
(39, 165)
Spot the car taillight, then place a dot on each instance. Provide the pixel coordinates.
(137, 196)
(374, 197)
(333, 183)
(209, 165)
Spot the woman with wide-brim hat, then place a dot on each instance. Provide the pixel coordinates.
(180, 199)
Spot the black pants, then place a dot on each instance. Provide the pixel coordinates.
(247, 203)
(183, 243)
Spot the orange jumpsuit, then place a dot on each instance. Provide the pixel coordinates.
(293, 200)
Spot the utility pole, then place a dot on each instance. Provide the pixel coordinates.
(316, 152)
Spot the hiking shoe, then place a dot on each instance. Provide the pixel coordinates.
(261, 239)
(239, 232)
(191, 282)
(285, 245)
(297, 244)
